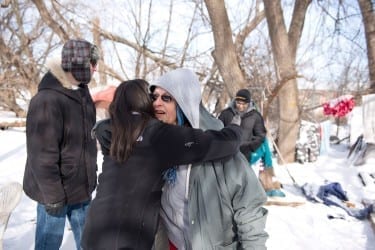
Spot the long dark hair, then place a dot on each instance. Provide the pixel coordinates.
(130, 110)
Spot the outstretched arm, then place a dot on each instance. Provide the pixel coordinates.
(177, 145)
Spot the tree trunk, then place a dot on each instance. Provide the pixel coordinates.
(368, 13)
(284, 47)
(225, 52)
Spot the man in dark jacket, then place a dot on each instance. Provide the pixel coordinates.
(252, 124)
(60, 172)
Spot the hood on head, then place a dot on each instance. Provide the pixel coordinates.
(183, 85)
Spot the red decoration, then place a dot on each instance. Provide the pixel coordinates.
(339, 107)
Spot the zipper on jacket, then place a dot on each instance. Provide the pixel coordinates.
(83, 94)
(187, 182)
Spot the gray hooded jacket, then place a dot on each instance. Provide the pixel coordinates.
(223, 200)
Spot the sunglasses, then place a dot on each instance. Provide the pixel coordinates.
(241, 103)
(164, 98)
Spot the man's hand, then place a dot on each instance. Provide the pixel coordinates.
(55, 209)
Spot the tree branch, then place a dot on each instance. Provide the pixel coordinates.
(48, 19)
(296, 26)
(148, 53)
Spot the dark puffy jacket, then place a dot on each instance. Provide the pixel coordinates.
(253, 129)
(61, 155)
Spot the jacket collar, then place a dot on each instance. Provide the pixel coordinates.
(54, 66)
(232, 107)
(57, 79)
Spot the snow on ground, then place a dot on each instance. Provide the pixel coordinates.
(302, 227)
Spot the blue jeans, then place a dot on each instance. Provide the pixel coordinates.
(50, 229)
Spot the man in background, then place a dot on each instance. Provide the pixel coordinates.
(254, 143)
(252, 124)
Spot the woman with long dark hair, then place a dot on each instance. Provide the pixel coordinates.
(137, 149)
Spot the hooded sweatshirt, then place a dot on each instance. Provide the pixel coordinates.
(216, 204)
(175, 195)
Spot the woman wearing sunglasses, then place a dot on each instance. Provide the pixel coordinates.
(137, 149)
(213, 204)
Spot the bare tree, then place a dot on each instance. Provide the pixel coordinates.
(368, 13)
(60, 22)
(227, 54)
(284, 47)
(50, 21)
(19, 67)
(136, 43)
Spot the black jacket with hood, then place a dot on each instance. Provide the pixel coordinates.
(252, 124)
(61, 155)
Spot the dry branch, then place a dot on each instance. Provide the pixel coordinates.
(13, 124)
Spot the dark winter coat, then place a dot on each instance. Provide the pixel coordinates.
(125, 211)
(253, 129)
(61, 155)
